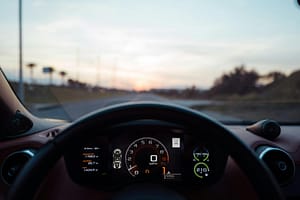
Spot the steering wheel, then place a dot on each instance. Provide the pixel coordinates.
(33, 173)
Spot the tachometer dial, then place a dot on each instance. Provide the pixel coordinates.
(146, 156)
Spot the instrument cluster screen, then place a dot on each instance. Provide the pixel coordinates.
(163, 155)
(142, 157)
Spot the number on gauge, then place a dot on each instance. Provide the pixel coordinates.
(146, 156)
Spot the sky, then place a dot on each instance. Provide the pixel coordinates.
(139, 45)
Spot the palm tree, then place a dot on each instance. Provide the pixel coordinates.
(31, 66)
(49, 70)
(62, 74)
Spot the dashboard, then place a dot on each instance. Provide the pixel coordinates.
(63, 182)
(144, 151)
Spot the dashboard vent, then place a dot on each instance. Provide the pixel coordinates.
(13, 164)
(279, 162)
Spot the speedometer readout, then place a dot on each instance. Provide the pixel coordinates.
(146, 156)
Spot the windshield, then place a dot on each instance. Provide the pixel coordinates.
(233, 60)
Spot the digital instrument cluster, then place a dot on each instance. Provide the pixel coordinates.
(162, 155)
(147, 156)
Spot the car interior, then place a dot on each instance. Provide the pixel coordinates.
(146, 149)
(143, 149)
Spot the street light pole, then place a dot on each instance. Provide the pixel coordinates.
(21, 84)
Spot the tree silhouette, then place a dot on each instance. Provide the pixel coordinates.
(31, 66)
(191, 92)
(276, 76)
(49, 70)
(239, 81)
(62, 74)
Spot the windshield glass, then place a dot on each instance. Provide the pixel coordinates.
(233, 60)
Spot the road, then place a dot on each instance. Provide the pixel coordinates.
(72, 111)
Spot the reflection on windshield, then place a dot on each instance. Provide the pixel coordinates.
(228, 60)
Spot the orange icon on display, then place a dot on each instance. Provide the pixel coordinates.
(147, 171)
(164, 170)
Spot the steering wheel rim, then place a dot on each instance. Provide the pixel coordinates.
(36, 169)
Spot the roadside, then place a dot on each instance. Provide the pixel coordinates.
(70, 103)
(285, 112)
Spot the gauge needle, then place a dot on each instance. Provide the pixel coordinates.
(134, 166)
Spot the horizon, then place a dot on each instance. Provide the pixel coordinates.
(128, 46)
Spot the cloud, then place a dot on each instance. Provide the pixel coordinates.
(181, 52)
(141, 51)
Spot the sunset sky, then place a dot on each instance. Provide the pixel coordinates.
(137, 44)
